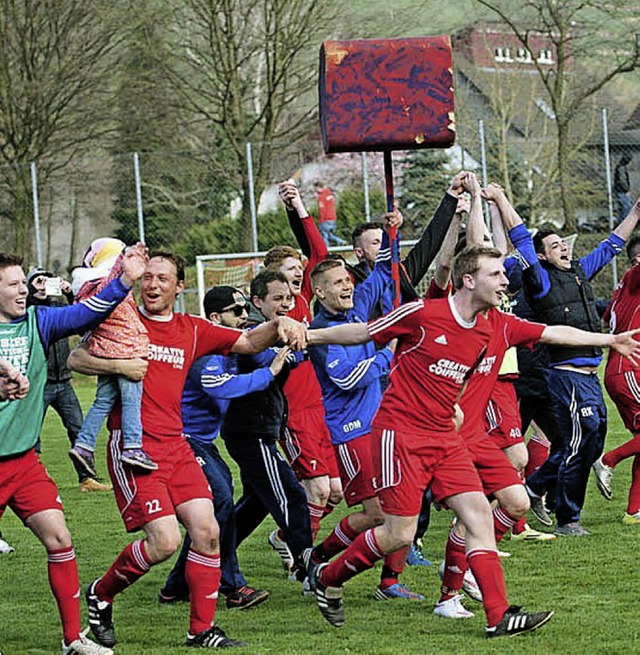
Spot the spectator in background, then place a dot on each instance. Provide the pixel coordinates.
(621, 187)
(327, 216)
(58, 391)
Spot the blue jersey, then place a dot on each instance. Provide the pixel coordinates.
(350, 375)
(211, 383)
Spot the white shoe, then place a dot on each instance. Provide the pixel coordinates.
(604, 477)
(470, 586)
(84, 646)
(452, 608)
(5, 548)
(283, 551)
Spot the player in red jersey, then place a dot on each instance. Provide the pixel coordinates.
(440, 343)
(306, 442)
(622, 381)
(156, 501)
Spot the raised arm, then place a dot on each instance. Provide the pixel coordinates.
(305, 230)
(628, 225)
(475, 222)
(417, 262)
(444, 261)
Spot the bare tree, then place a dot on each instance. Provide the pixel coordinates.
(56, 59)
(244, 69)
(592, 43)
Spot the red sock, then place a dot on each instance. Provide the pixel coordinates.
(519, 526)
(203, 578)
(633, 505)
(361, 555)
(394, 564)
(455, 565)
(538, 449)
(316, 512)
(340, 538)
(628, 449)
(502, 522)
(130, 565)
(65, 585)
(486, 568)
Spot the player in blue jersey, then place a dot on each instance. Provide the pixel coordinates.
(351, 392)
(25, 485)
(212, 382)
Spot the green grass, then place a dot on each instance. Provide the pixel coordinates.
(590, 583)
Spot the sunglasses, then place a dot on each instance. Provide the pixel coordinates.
(238, 310)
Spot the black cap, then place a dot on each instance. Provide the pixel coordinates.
(222, 298)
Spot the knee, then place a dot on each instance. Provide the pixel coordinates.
(395, 539)
(374, 516)
(516, 503)
(318, 490)
(205, 536)
(57, 538)
(161, 546)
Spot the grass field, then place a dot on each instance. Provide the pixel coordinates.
(591, 584)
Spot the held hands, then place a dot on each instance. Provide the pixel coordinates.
(292, 333)
(626, 345)
(456, 187)
(493, 192)
(13, 384)
(471, 185)
(134, 263)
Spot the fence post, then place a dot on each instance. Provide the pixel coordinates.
(136, 170)
(483, 161)
(607, 162)
(200, 281)
(36, 212)
(365, 186)
(252, 199)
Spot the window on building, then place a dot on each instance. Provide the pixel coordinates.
(524, 55)
(502, 54)
(545, 56)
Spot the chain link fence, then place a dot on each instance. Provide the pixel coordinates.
(191, 202)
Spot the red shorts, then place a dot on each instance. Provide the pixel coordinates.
(494, 468)
(143, 496)
(624, 389)
(407, 464)
(25, 486)
(502, 418)
(307, 445)
(356, 469)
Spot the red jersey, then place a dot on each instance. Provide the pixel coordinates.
(436, 349)
(506, 331)
(174, 345)
(326, 205)
(302, 388)
(623, 314)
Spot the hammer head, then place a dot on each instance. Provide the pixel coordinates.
(386, 94)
